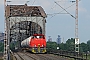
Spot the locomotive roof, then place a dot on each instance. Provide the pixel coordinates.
(38, 35)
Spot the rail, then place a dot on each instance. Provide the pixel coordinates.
(69, 54)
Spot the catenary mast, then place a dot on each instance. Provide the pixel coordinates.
(76, 29)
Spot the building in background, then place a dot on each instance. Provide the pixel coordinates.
(1, 37)
(58, 40)
(50, 39)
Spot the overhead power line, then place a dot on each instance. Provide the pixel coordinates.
(53, 14)
(65, 10)
(33, 2)
(62, 10)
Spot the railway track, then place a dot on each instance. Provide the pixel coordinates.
(50, 57)
(29, 56)
(23, 56)
(18, 56)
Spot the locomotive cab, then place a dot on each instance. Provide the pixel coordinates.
(35, 43)
(38, 43)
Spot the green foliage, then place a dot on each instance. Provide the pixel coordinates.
(63, 46)
(88, 43)
(70, 41)
(69, 45)
(1, 47)
(12, 46)
(83, 47)
(51, 45)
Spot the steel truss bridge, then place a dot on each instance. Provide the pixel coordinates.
(22, 21)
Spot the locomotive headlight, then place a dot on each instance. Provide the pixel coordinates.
(34, 45)
(42, 45)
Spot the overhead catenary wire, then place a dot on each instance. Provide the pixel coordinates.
(33, 2)
(65, 10)
(53, 15)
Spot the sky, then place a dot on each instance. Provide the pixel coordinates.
(59, 24)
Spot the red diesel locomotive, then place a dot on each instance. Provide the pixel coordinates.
(35, 43)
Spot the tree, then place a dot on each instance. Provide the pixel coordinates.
(63, 46)
(70, 44)
(1, 47)
(51, 45)
(84, 47)
(88, 43)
